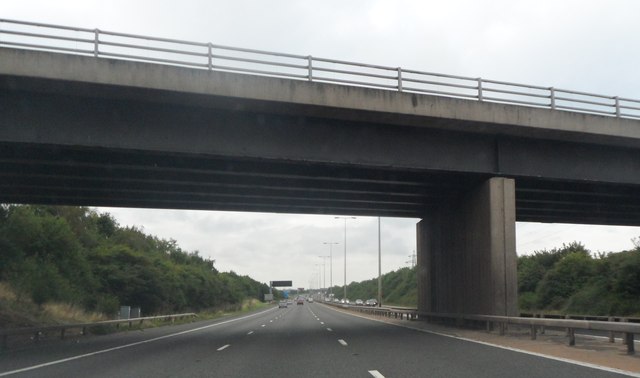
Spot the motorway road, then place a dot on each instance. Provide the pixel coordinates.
(310, 340)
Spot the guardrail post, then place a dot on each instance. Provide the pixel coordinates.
(310, 68)
(534, 332)
(572, 336)
(399, 79)
(479, 89)
(96, 42)
(62, 333)
(502, 328)
(617, 99)
(628, 337)
(210, 55)
(84, 331)
(552, 95)
(612, 335)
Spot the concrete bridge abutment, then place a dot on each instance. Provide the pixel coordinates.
(467, 255)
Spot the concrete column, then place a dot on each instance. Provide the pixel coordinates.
(467, 254)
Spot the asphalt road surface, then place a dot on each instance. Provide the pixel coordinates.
(310, 340)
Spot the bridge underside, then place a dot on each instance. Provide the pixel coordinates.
(189, 139)
(66, 175)
(84, 131)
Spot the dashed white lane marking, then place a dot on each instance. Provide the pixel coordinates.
(329, 329)
(223, 347)
(322, 323)
(264, 325)
(127, 345)
(270, 321)
(344, 343)
(376, 373)
(250, 332)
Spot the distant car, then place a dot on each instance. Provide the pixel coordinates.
(336, 300)
(371, 302)
(310, 300)
(346, 300)
(359, 302)
(300, 301)
(282, 304)
(289, 302)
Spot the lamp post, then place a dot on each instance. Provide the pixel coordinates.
(324, 271)
(345, 253)
(319, 277)
(330, 264)
(379, 267)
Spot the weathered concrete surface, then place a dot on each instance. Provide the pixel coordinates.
(313, 99)
(467, 253)
(78, 130)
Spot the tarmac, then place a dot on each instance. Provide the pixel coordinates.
(588, 350)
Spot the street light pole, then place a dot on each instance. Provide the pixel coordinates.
(319, 277)
(330, 264)
(345, 253)
(379, 266)
(324, 271)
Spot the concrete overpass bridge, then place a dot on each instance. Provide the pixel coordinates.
(106, 127)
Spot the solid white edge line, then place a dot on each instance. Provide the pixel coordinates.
(376, 373)
(223, 347)
(574, 362)
(250, 332)
(127, 345)
(344, 343)
(329, 329)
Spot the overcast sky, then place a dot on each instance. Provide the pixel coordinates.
(583, 45)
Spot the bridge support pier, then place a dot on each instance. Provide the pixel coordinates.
(466, 253)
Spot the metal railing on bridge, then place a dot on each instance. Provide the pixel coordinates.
(108, 44)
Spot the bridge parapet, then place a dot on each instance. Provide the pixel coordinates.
(214, 57)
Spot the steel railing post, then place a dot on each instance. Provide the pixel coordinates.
(612, 335)
(572, 336)
(399, 79)
(628, 337)
(310, 68)
(552, 95)
(617, 99)
(96, 42)
(210, 55)
(479, 89)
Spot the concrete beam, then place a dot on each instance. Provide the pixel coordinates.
(121, 79)
(466, 253)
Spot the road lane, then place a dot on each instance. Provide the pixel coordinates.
(127, 344)
(397, 351)
(302, 340)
